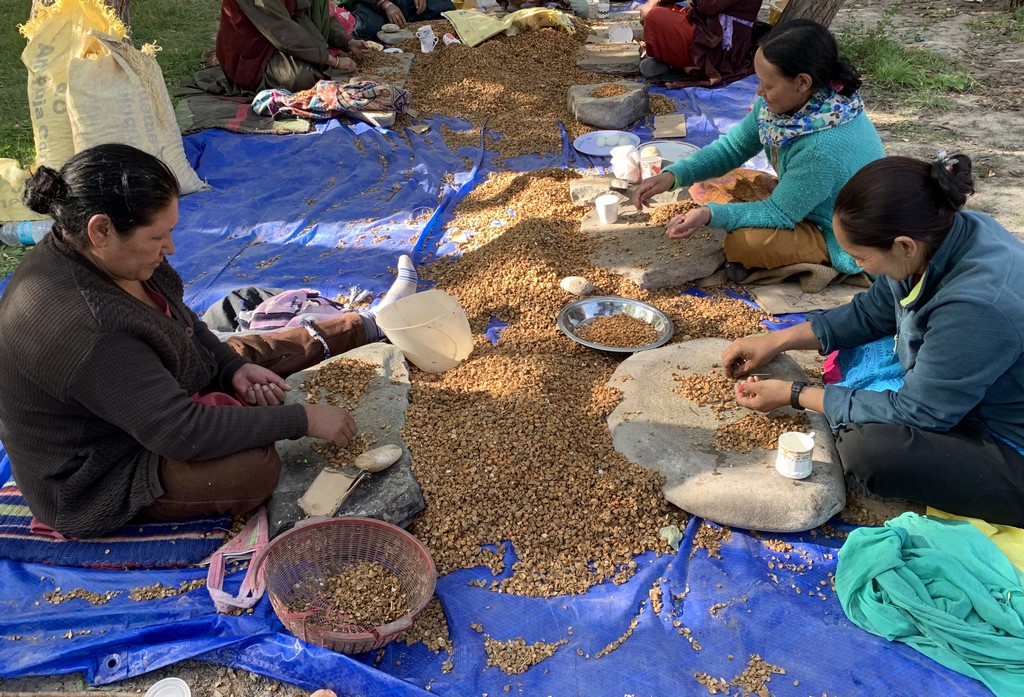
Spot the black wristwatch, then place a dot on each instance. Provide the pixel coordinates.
(794, 394)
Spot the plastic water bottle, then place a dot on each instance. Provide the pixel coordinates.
(25, 232)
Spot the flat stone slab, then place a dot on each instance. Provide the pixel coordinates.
(599, 32)
(616, 112)
(789, 297)
(392, 38)
(611, 59)
(584, 190)
(392, 495)
(660, 429)
(641, 252)
(392, 74)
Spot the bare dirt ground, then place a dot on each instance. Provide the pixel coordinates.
(987, 124)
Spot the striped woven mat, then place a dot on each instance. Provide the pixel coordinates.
(139, 546)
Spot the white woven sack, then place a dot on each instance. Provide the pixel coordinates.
(58, 33)
(121, 98)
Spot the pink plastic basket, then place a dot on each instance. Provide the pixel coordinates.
(321, 547)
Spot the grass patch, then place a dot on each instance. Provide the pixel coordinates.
(915, 131)
(10, 257)
(1005, 28)
(15, 125)
(919, 78)
(182, 28)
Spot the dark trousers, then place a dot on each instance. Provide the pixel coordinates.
(965, 471)
(370, 19)
(240, 482)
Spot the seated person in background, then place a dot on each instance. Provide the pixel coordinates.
(810, 123)
(263, 44)
(705, 42)
(371, 15)
(950, 289)
(117, 403)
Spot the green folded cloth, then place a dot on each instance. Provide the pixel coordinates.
(942, 587)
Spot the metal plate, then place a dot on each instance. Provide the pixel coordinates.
(671, 151)
(587, 143)
(579, 312)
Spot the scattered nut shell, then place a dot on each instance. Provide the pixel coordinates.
(379, 458)
(577, 285)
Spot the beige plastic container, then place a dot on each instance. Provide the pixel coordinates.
(430, 328)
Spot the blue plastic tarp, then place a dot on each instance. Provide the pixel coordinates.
(331, 211)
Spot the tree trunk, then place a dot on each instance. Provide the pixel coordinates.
(121, 7)
(823, 11)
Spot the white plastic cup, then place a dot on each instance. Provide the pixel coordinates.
(427, 37)
(794, 457)
(169, 687)
(650, 166)
(607, 208)
(430, 328)
(603, 8)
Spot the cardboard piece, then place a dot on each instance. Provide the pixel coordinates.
(327, 492)
(669, 126)
(788, 297)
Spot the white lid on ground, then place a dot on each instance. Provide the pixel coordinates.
(169, 687)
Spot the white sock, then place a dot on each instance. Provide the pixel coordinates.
(405, 285)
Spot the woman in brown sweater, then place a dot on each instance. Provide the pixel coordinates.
(116, 401)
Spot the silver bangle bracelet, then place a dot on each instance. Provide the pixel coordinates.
(308, 325)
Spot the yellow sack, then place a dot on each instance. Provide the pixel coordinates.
(56, 34)
(12, 186)
(537, 18)
(474, 27)
(118, 95)
(1006, 537)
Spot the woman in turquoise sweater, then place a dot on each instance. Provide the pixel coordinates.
(809, 121)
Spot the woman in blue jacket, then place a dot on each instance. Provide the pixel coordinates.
(950, 291)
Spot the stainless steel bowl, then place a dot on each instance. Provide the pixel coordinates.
(579, 312)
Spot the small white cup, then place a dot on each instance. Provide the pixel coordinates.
(169, 687)
(603, 8)
(428, 39)
(794, 457)
(607, 208)
(650, 166)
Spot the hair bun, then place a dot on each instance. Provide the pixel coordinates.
(952, 177)
(43, 189)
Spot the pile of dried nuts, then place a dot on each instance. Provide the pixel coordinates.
(661, 215)
(712, 390)
(752, 681)
(516, 656)
(618, 331)
(757, 430)
(362, 593)
(608, 90)
(340, 383)
(661, 105)
(517, 85)
(93, 598)
(159, 590)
